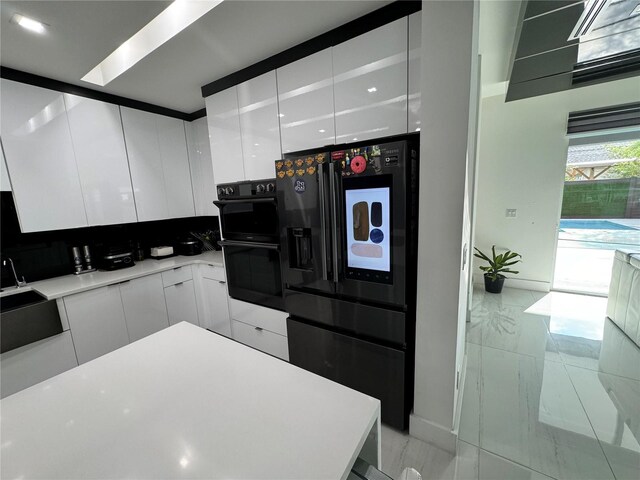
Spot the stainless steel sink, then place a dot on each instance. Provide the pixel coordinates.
(26, 318)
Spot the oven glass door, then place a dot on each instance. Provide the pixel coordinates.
(253, 273)
(254, 219)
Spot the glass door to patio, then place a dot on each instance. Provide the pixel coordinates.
(600, 213)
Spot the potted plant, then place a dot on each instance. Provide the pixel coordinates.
(498, 264)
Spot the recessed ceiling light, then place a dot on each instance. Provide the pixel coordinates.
(322, 130)
(171, 21)
(281, 115)
(28, 23)
(354, 139)
(256, 144)
(418, 129)
(372, 89)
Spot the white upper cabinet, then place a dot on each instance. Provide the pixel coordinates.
(175, 165)
(305, 99)
(145, 163)
(370, 84)
(223, 120)
(259, 126)
(96, 132)
(5, 184)
(39, 154)
(159, 165)
(415, 53)
(204, 188)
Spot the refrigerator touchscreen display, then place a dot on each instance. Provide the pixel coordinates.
(368, 228)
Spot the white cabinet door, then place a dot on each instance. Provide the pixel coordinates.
(175, 165)
(204, 187)
(97, 323)
(259, 126)
(415, 53)
(36, 362)
(370, 84)
(181, 303)
(216, 306)
(145, 163)
(305, 101)
(144, 306)
(98, 142)
(39, 155)
(5, 184)
(223, 120)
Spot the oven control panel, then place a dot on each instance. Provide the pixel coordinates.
(247, 189)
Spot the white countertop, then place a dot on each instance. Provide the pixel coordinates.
(185, 403)
(57, 287)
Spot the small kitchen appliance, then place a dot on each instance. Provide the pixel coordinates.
(188, 246)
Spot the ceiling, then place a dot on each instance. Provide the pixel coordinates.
(234, 35)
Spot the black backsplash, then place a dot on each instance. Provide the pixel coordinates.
(42, 255)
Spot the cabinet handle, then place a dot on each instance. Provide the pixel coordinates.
(178, 284)
(221, 282)
(259, 329)
(177, 268)
(126, 281)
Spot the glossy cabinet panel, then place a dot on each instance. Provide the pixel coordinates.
(98, 143)
(97, 322)
(175, 166)
(214, 294)
(202, 180)
(144, 306)
(145, 163)
(370, 84)
(40, 158)
(305, 99)
(259, 126)
(263, 340)
(181, 303)
(223, 121)
(5, 184)
(415, 54)
(36, 362)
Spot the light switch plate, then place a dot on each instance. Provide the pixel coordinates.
(511, 213)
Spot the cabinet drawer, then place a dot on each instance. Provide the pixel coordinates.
(177, 275)
(213, 272)
(273, 320)
(262, 340)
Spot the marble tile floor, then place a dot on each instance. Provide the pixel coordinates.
(552, 386)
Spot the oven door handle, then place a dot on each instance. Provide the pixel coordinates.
(235, 243)
(222, 203)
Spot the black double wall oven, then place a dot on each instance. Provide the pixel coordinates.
(348, 228)
(251, 241)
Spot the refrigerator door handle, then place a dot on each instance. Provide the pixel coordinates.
(323, 221)
(335, 218)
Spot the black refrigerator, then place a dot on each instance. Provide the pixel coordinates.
(348, 225)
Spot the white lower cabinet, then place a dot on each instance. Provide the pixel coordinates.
(214, 295)
(260, 327)
(97, 322)
(181, 303)
(261, 339)
(36, 362)
(144, 306)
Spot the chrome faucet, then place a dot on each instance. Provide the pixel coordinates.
(19, 283)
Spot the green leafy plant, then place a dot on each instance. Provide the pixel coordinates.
(498, 264)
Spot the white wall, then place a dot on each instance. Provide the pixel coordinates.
(522, 157)
(448, 41)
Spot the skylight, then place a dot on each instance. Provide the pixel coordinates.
(171, 21)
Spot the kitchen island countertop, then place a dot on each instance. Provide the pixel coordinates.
(187, 403)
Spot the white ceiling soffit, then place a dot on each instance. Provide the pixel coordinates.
(171, 21)
(232, 36)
